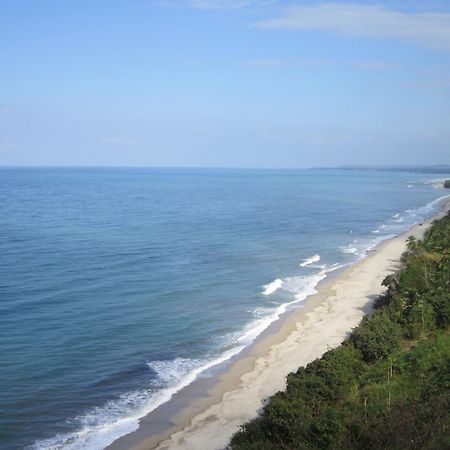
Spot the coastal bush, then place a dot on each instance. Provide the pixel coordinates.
(377, 336)
(386, 387)
(437, 238)
(330, 377)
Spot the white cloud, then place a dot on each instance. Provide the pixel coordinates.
(430, 29)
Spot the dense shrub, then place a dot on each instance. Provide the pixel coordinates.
(377, 336)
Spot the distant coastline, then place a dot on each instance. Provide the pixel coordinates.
(437, 168)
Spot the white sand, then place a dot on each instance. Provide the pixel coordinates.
(305, 335)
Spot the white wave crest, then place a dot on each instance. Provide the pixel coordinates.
(302, 287)
(437, 183)
(398, 218)
(308, 261)
(348, 249)
(272, 287)
(317, 266)
(429, 208)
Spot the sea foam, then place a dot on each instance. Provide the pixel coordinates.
(272, 287)
(308, 261)
(348, 249)
(398, 218)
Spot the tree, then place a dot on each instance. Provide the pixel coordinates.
(377, 336)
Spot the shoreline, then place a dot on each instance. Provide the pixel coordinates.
(235, 395)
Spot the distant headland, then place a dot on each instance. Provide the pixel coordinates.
(437, 168)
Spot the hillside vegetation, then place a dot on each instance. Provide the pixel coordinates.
(387, 386)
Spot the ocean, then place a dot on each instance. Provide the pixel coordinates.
(120, 286)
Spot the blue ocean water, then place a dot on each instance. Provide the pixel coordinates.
(119, 286)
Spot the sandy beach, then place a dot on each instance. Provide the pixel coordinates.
(302, 336)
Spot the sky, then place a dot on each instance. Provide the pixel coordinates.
(224, 83)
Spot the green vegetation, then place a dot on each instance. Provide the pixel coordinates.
(447, 184)
(387, 386)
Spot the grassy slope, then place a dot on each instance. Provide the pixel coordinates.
(387, 386)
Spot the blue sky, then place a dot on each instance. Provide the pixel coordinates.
(228, 83)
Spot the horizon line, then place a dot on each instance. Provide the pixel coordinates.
(341, 166)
